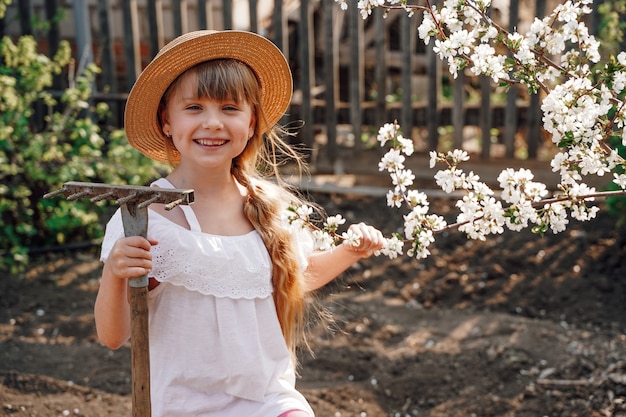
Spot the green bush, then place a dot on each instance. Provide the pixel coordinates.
(61, 141)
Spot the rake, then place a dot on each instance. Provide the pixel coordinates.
(134, 202)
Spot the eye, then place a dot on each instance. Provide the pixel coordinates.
(193, 107)
(230, 107)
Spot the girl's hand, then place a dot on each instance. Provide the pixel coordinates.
(370, 240)
(130, 257)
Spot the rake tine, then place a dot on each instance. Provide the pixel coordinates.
(149, 201)
(126, 199)
(76, 196)
(103, 196)
(173, 204)
(54, 193)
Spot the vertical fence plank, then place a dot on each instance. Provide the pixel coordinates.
(458, 109)
(184, 16)
(177, 17)
(202, 16)
(278, 37)
(54, 38)
(131, 47)
(254, 15)
(83, 34)
(485, 114)
(277, 24)
(407, 45)
(511, 112)
(381, 67)
(486, 117)
(306, 45)
(153, 32)
(25, 16)
(106, 44)
(534, 109)
(109, 76)
(355, 69)
(278, 27)
(329, 80)
(54, 34)
(432, 92)
(227, 13)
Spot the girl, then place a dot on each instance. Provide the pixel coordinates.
(228, 278)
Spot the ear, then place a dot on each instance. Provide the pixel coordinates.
(252, 128)
(166, 128)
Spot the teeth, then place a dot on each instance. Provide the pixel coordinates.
(207, 142)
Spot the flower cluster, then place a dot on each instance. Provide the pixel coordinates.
(327, 236)
(583, 109)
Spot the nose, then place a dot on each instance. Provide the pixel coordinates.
(211, 119)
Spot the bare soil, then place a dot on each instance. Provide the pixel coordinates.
(517, 325)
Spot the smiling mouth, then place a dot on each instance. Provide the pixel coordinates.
(210, 142)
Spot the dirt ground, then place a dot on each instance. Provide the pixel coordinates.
(517, 325)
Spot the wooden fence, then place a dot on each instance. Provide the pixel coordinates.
(351, 76)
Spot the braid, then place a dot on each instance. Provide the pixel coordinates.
(264, 207)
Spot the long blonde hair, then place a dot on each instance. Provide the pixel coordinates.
(267, 200)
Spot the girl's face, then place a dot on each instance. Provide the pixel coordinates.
(207, 132)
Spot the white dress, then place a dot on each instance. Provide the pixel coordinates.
(216, 346)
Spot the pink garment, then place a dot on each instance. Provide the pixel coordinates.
(294, 413)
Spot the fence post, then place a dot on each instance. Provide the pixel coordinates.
(279, 30)
(24, 13)
(458, 108)
(511, 112)
(227, 13)
(54, 37)
(83, 34)
(156, 28)
(486, 115)
(177, 17)
(381, 66)
(106, 40)
(355, 28)
(53, 33)
(254, 15)
(109, 75)
(432, 108)
(329, 80)
(131, 47)
(407, 46)
(305, 36)
(534, 109)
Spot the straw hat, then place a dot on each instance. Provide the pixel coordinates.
(262, 56)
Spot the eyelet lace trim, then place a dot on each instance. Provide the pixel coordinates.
(233, 267)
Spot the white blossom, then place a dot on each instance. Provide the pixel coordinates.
(352, 237)
(332, 223)
(620, 180)
(406, 145)
(386, 133)
(391, 161)
(322, 241)
(402, 178)
(392, 247)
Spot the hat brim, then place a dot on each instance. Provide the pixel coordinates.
(264, 58)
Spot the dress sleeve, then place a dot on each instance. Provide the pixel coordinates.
(114, 231)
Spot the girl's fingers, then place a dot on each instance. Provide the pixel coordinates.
(131, 257)
(371, 239)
